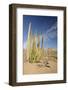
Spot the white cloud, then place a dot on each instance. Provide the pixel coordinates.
(51, 32)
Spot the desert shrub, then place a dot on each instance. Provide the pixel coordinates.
(33, 56)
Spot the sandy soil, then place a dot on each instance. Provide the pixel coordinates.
(39, 68)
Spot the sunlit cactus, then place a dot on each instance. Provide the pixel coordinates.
(34, 50)
(29, 41)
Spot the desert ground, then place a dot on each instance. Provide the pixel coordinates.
(43, 67)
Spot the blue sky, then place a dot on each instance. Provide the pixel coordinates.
(47, 25)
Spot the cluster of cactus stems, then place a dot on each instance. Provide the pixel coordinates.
(34, 52)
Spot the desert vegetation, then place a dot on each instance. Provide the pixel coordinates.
(37, 57)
